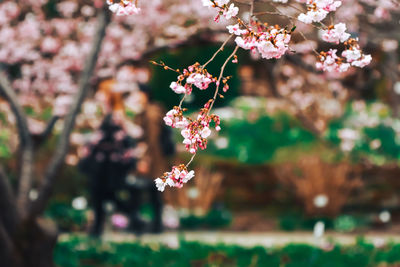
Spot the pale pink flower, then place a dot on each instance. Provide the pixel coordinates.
(336, 34)
(177, 88)
(231, 11)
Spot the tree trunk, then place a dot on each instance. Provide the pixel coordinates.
(33, 245)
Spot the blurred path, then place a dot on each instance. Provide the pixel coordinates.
(266, 239)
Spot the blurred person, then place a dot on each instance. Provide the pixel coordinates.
(107, 164)
(108, 158)
(121, 147)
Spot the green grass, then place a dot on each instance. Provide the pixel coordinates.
(85, 252)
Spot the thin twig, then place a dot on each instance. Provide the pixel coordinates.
(220, 77)
(181, 102)
(217, 52)
(251, 11)
(190, 161)
(162, 64)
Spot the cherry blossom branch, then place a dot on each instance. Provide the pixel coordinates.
(195, 131)
(269, 42)
(300, 32)
(218, 83)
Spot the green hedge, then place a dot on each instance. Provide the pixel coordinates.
(83, 252)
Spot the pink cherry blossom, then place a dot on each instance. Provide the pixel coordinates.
(336, 34)
(177, 88)
(329, 61)
(178, 176)
(231, 11)
(271, 43)
(123, 8)
(200, 80)
(364, 61)
(175, 118)
(313, 16)
(318, 10)
(235, 29)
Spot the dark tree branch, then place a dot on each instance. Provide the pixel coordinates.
(8, 220)
(8, 93)
(62, 147)
(25, 179)
(6, 247)
(26, 145)
(8, 214)
(38, 139)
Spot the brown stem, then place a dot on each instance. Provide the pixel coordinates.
(220, 77)
(190, 161)
(251, 11)
(217, 52)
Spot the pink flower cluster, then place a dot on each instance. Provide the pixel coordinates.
(200, 80)
(178, 176)
(317, 10)
(270, 42)
(175, 118)
(352, 56)
(336, 34)
(123, 8)
(356, 57)
(228, 11)
(329, 61)
(194, 75)
(196, 132)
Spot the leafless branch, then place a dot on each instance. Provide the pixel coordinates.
(8, 215)
(26, 145)
(40, 138)
(6, 246)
